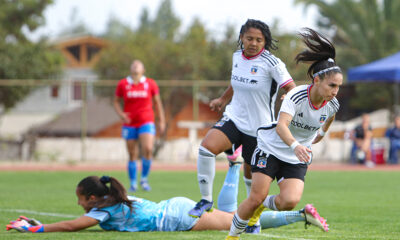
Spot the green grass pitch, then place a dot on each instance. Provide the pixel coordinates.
(358, 205)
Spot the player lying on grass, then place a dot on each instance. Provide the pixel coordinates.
(106, 203)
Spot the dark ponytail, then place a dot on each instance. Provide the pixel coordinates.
(263, 27)
(111, 195)
(321, 53)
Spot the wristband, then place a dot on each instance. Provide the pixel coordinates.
(321, 132)
(294, 145)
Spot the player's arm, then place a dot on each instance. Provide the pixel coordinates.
(71, 225)
(160, 112)
(289, 86)
(282, 128)
(219, 103)
(118, 109)
(324, 129)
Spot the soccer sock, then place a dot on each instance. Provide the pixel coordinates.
(255, 219)
(269, 202)
(146, 164)
(247, 183)
(227, 198)
(206, 172)
(132, 172)
(238, 226)
(273, 219)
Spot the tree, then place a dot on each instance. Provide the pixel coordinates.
(20, 58)
(363, 31)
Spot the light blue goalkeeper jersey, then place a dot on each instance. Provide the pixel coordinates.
(168, 215)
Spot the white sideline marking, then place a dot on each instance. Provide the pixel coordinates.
(279, 236)
(39, 213)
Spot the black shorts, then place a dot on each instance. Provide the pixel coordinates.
(237, 138)
(277, 169)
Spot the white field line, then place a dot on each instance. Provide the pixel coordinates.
(39, 213)
(279, 236)
(263, 235)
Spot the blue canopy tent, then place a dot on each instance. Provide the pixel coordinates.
(385, 70)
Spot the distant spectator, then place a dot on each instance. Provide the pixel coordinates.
(394, 136)
(362, 137)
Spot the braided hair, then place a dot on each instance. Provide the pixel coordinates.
(251, 23)
(321, 53)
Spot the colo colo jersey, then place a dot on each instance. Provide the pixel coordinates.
(168, 215)
(138, 99)
(255, 83)
(306, 121)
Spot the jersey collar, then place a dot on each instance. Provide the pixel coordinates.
(309, 99)
(255, 56)
(130, 80)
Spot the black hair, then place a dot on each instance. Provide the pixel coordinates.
(263, 27)
(111, 195)
(320, 52)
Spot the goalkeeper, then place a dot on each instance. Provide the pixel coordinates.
(106, 203)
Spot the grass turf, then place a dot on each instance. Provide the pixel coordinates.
(358, 205)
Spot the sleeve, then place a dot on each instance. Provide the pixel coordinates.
(288, 106)
(281, 74)
(154, 88)
(119, 90)
(98, 214)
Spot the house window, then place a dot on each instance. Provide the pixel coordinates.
(77, 91)
(54, 91)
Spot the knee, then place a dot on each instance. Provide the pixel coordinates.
(255, 200)
(288, 203)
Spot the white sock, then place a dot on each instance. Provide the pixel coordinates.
(269, 202)
(238, 226)
(247, 183)
(206, 172)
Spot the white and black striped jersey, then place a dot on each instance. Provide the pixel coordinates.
(255, 82)
(306, 121)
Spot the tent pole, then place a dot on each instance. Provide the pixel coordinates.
(396, 110)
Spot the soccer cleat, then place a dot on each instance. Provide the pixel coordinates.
(145, 185)
(200, 207)
(255, 229)
(313, 218)
(231, 238)
(234, 158)
(133, 188)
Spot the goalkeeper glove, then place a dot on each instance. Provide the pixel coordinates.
(24, 224)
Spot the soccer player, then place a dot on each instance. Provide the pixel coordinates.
(138, 94)
(106, 203)
(284, 148)
(256, 78)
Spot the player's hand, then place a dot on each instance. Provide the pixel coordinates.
(24, 224)
(217, 104)
(125, 118)
(161, 126)
(303, 153)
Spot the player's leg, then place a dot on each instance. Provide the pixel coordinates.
(130, 135)
(227, 198)
(215, 220)
(214, 143)
(291, 184)
(259, 191)
(309, 214)
(218, 139)
(146, 137)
